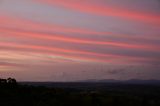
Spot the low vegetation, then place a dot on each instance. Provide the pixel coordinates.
(13, 94)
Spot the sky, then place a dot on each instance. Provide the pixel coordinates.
(73, 40)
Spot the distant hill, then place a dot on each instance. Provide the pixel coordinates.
(93, 83)
(131, 81)
(137, 81)
(102, 80)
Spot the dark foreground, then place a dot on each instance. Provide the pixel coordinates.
(79, 94)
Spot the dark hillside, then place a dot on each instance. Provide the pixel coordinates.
(13, 94)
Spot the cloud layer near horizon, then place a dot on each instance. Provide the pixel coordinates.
(63, 41)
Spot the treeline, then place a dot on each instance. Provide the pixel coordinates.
(13, 94)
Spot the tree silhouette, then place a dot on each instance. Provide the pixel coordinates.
(11, 81)
(8, 82)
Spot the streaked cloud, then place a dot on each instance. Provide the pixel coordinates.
(77, 40)
(87, 7)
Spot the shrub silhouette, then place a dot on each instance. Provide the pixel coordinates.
(3, 81)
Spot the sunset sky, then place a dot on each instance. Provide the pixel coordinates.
(71, 40)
